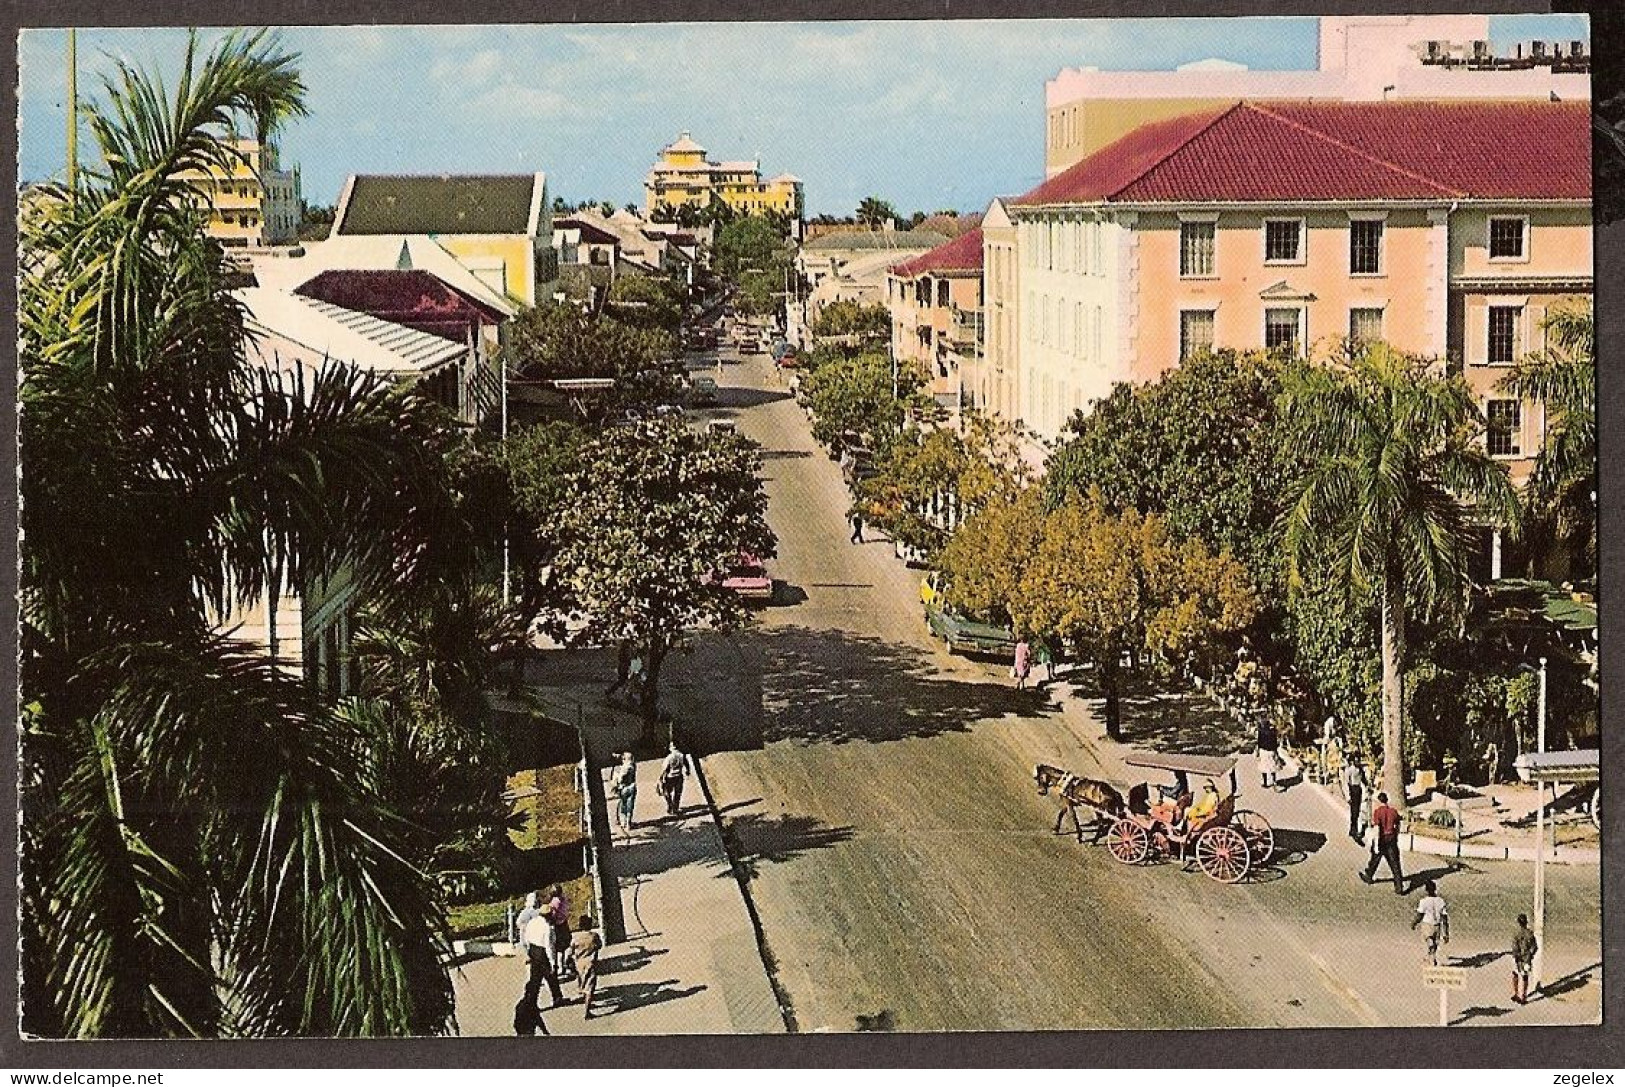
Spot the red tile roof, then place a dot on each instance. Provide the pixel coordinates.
(962, 254)
(589, 233)
(409, 297)
(1332, 151)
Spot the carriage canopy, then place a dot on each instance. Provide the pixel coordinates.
(1202, 766)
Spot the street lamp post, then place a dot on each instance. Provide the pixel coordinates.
(1540, 838)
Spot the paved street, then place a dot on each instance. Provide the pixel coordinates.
(878, 793)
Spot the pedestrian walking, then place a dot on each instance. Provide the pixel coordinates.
(1023, 664)
(557, 911)
(1046, 660)
(1385, 820)
(1524, 948)
(623, 669)
(1433, 917)
(531, 910)
(1268, 751)
(1354, 786)
(535, 937)
(584, 947)
(856, 518)
(624, 787)
(673, 773)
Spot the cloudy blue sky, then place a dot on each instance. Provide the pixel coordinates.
(928, 115)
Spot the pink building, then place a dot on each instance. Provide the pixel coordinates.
(1446, 228)
(936, 308)
(1359, 58)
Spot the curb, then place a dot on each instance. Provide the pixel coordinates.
(1414, 843)
(779, 995)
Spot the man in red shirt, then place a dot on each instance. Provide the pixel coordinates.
(1386, 821)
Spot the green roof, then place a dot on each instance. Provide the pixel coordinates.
(449, 204)
(1556, 604)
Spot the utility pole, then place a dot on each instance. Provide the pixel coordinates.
(505, 567)
(73, 113)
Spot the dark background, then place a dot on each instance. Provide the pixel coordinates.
(1572, 1048)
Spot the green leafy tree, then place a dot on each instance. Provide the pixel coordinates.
(751, 242)
(1114, 586)
(1394, 456)
(559, 341)
(1561, 496)
(655, 512)
(202, 854)
(929, 480)
(846, 317)
(855, 397)
(647, 302)
(1203, 447)
(1107, 586)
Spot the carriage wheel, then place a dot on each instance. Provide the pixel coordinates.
(1129, 842)
(1222, 853)
(1258, 832)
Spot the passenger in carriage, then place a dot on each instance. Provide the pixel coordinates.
(1206, 805)
(1139, 799)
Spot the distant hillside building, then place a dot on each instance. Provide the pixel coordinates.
(500, 226)
(683, 176)
(1359, 58)
(256, 203)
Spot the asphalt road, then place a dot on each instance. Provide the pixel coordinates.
(877, 793)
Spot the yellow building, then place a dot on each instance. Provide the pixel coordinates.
(254, 204)
(683, 176)
(499, 226)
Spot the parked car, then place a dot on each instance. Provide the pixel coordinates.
(703, 390)
(722, 426)
(969, 636)
(911, 556)
(749, 579)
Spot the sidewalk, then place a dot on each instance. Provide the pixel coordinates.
(689, 964)
(1309, 909)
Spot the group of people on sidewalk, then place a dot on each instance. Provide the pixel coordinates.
(553, 949)
(623, 785)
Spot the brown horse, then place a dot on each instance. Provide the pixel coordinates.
(1105, 801)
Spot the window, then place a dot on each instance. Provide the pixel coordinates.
(1507, 237)
(1281, 330)
(1283, 241)
(1504, 334)
(1196, 249)
(1195, 333)
(1502, 438)
(1365, 325)
(942, 292)
(1365, 247)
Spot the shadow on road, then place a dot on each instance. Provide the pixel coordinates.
(1293, 846)
(829, 686)
(1479, 1011)
(737, 396)
(1181, 721)
(1569, 982)
(755, 840)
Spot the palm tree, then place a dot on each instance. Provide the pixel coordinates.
(1562, 489)
(1397, 476)
(873, 211)
(201, 853)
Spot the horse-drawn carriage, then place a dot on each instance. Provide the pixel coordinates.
(1224, 841)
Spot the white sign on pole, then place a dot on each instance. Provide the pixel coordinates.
(1444, 977)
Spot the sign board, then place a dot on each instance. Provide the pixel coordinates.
(1444, 977)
